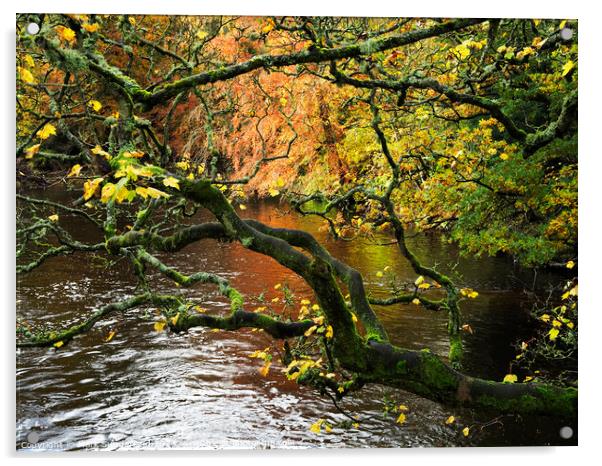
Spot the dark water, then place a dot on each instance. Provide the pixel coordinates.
(200, 390)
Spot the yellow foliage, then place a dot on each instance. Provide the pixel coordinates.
(46, 131)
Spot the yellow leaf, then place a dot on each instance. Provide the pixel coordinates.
(283, 101)
(242, 207)
(528, 378)
(265, 369)
(31, 151)
(466, 431)
(65, 33)
(172, 182)
(318, 320)
(401, 419)
(26, 76)
(46, 131)
(315, 307)
(353, 317)
(273, 192)
(90, 188)
(75, 169)
(201, 35)
(553, 333)
(473, 294)
(316, 426)
(504, 156)
(108, 190)
(568, 66)
(110, 336)
(556, 323)
(58, 344)
(424, 286)
(450, 420)
(310, 330)
(155, 193)
(29, 61)
(122, 194)
(305, 302)
(277, 286)
(97, 150)
(136, 154)
(132, 20)
(416, 301)
(268, 27)
(159, 326)
(419, 280)
(403, 408)
(574, 291)
(95, 104)
(329, 332)
(53, 218)
(91, 27)
(545, 318)
(379, 274)
(183, 165)
(174, 319)
(562, 24)
(510, 378)
(570, 264)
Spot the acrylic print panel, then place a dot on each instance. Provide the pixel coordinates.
(285, 232)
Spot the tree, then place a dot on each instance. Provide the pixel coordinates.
(458, 132)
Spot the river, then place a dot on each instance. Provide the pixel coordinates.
(200, 390)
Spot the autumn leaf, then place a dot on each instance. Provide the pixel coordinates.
(53, 218)
(95, 104)
(553, 334)
(379, 274)
(310, 330)
(273, 192)
(97, 150)
(329, 332)
(46, 131)
(510, 378)
(159, 326)
(401, 418)
(171, 182)
(466, 431)
(136, 154)
(26, 76)
(201, 35)
(316, 427)
(242, 207)
(570, 264)
(110, 336)
(75, 169)
(265, 369)
(58, 344)
(90, 187)
(419, 280)
(107, 193)
(155, 193)
(31, 151)
(66, 34)
(91, 27)
(568, 66)
(450, 420)
(416, 301)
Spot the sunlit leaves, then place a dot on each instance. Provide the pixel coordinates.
(31, 151)
(510, 378)
(567, 67)
(25, 75)
(469, 293)
(316, 427)
(159, 326)
(75, 170)
(450, 420)
(65, 34)
(107, 193)
(46, 131)
(97, 150)
(90, 187)
(95, 105)
(171, 182)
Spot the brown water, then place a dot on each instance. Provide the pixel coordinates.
(199, 390)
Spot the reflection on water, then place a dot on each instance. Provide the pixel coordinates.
(153, 390)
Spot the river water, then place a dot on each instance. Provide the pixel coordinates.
(200, 390)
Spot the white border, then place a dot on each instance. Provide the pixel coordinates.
(590, 175)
